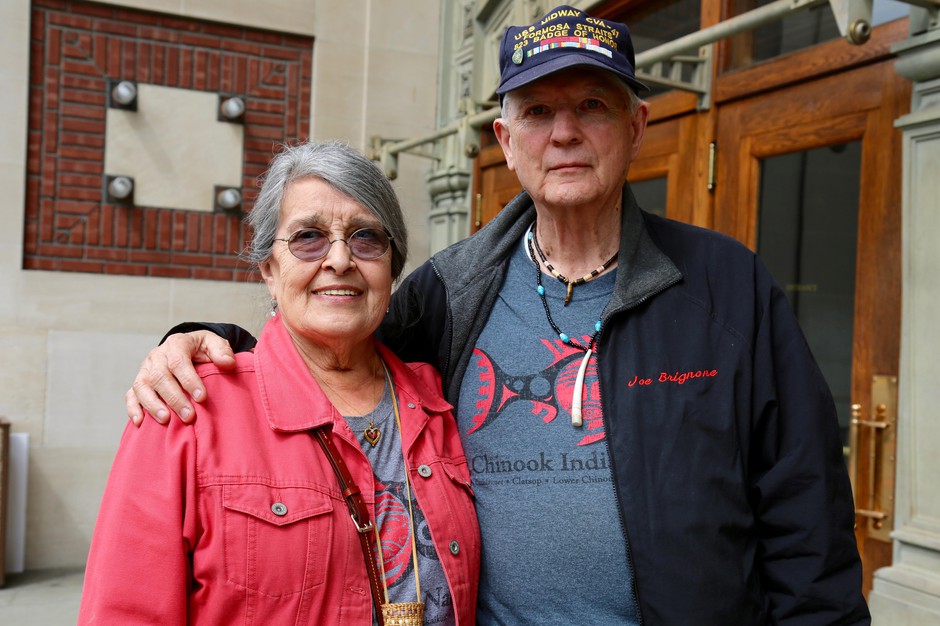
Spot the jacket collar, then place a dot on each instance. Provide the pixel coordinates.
(643, 269)
(291, 397)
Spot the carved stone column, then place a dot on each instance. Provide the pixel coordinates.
(449, 180)
(908, 592)
(468, 77)
(449, 194)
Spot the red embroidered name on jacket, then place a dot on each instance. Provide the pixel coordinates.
(680, 378)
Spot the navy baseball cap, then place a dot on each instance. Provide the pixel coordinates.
(565, 37)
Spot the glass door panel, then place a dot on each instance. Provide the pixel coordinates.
(651, 194)
(807, 235)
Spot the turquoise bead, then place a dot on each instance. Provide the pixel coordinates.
(563, 337)
(541, 290)
(597, 326)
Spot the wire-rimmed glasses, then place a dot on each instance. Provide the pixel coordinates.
(312, 244)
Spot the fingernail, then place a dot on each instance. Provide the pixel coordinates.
(197, 394)
(163, 415)
(186, 413)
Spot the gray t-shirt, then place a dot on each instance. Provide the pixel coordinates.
(554, 547)
(391, 505)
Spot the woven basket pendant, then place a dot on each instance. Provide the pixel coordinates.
(403, 613)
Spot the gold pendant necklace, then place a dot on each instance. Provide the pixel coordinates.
(371, 433)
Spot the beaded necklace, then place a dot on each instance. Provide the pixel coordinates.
(576, 418)
(570, 284)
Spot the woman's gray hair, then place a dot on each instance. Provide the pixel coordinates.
(342, 167)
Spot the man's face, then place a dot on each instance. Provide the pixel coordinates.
(570, 138)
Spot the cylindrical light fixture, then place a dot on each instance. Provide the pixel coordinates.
(232, 109)
(120, 189)
(228, 199)
(124, 95)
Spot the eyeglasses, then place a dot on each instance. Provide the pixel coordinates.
(312, 244)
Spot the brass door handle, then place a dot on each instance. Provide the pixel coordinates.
(856, 413)
(876, 439)
(875, 515)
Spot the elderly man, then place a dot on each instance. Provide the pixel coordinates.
(650, 438)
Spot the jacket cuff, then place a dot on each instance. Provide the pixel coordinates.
(239, 338)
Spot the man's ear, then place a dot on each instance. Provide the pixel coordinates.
(640, 118)
(501, 127)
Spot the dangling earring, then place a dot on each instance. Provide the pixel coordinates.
(273, 308)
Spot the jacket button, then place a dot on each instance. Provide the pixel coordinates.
(411, 405)
(424, 471)
(279, 509)
(454, 547)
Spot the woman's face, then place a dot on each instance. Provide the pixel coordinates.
(338, 300)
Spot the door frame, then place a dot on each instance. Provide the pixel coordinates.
(861, 105)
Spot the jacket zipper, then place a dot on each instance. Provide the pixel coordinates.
(620, 515)
(616, 483)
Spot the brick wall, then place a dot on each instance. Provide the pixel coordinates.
(76, 48)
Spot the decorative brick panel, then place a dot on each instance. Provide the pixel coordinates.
(76, 48)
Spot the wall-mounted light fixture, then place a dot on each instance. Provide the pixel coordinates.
(119, 189)
(227, 199)
(231, 109)
(122, 94)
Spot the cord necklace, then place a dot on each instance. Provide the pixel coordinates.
(576, 413)
(570, 284)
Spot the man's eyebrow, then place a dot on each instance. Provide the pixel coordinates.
(527, 100)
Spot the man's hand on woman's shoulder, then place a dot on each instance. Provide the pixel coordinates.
(168, 378)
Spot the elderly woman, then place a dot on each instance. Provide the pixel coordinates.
(319, 449)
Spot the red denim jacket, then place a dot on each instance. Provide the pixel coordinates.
(186, 532)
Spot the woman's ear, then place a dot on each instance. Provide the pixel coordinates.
(267, 273)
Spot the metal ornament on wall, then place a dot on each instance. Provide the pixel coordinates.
(119, 190)
(122, 94)
(231, 109)
(227, 199)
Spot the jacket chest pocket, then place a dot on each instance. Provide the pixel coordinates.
(450, 490)
(278, 540)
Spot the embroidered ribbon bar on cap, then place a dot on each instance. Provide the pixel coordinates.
(570, 42)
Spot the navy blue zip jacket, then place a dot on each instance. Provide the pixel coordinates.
(722, 433)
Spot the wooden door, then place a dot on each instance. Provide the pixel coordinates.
(672, 152)
(494, 185)
(839, 132)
